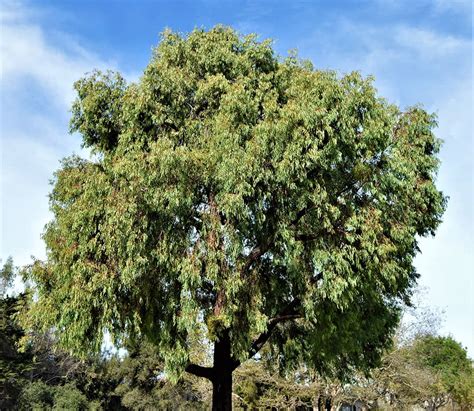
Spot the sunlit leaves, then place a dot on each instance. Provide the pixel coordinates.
(228, 171)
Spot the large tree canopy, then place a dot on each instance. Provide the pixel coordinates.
(259, 196)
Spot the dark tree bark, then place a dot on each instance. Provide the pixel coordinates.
(222, 378)
(224, 364)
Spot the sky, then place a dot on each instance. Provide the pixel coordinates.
(420, 52)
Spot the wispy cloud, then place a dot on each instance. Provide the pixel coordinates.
(27, 54)
(428, 6)
(429, 44)
(462, 6)
(36, 85)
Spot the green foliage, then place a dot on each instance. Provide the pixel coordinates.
(144, 386)
(447, 359)
(68, 397)
(257, 387)
(425, 370)
(230, 184)
(97, 111)
(14, 366)
(443, 355)
(28, 378)
(43, 377)
(38, 396)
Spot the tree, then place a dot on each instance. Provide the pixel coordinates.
(32, 376)
(448, 360)
(40, 396)
(257, 386)
(143, 386)
(428, 372)
(275, 203)
(7, 276)
(14, 367)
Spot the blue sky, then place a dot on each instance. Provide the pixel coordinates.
(420, 51)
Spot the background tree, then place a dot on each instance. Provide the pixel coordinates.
(257, 386)
(17, 369)
(270, 201)
(14, 367)
(142, 384)
(428, 371)
(40, 375)
(448, 361)
(41, 396)
(7, 276)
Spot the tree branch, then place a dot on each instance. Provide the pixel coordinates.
(281, 318)
(262, 248)
(306, 237)
(300, 214)
(200, 371)
(288, 313)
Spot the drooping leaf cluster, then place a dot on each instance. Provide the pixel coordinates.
(426, 369)
(39, 375)
(229, 184)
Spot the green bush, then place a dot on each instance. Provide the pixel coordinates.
(68, 397)
(40, 396)
(37, 396)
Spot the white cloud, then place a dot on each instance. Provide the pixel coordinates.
(428, 6)
(11, 10)
(429, 44)
(461, 6)
(26, 54)
(25, 175)
(37, 75)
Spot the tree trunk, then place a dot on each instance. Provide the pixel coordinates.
(222, 381)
